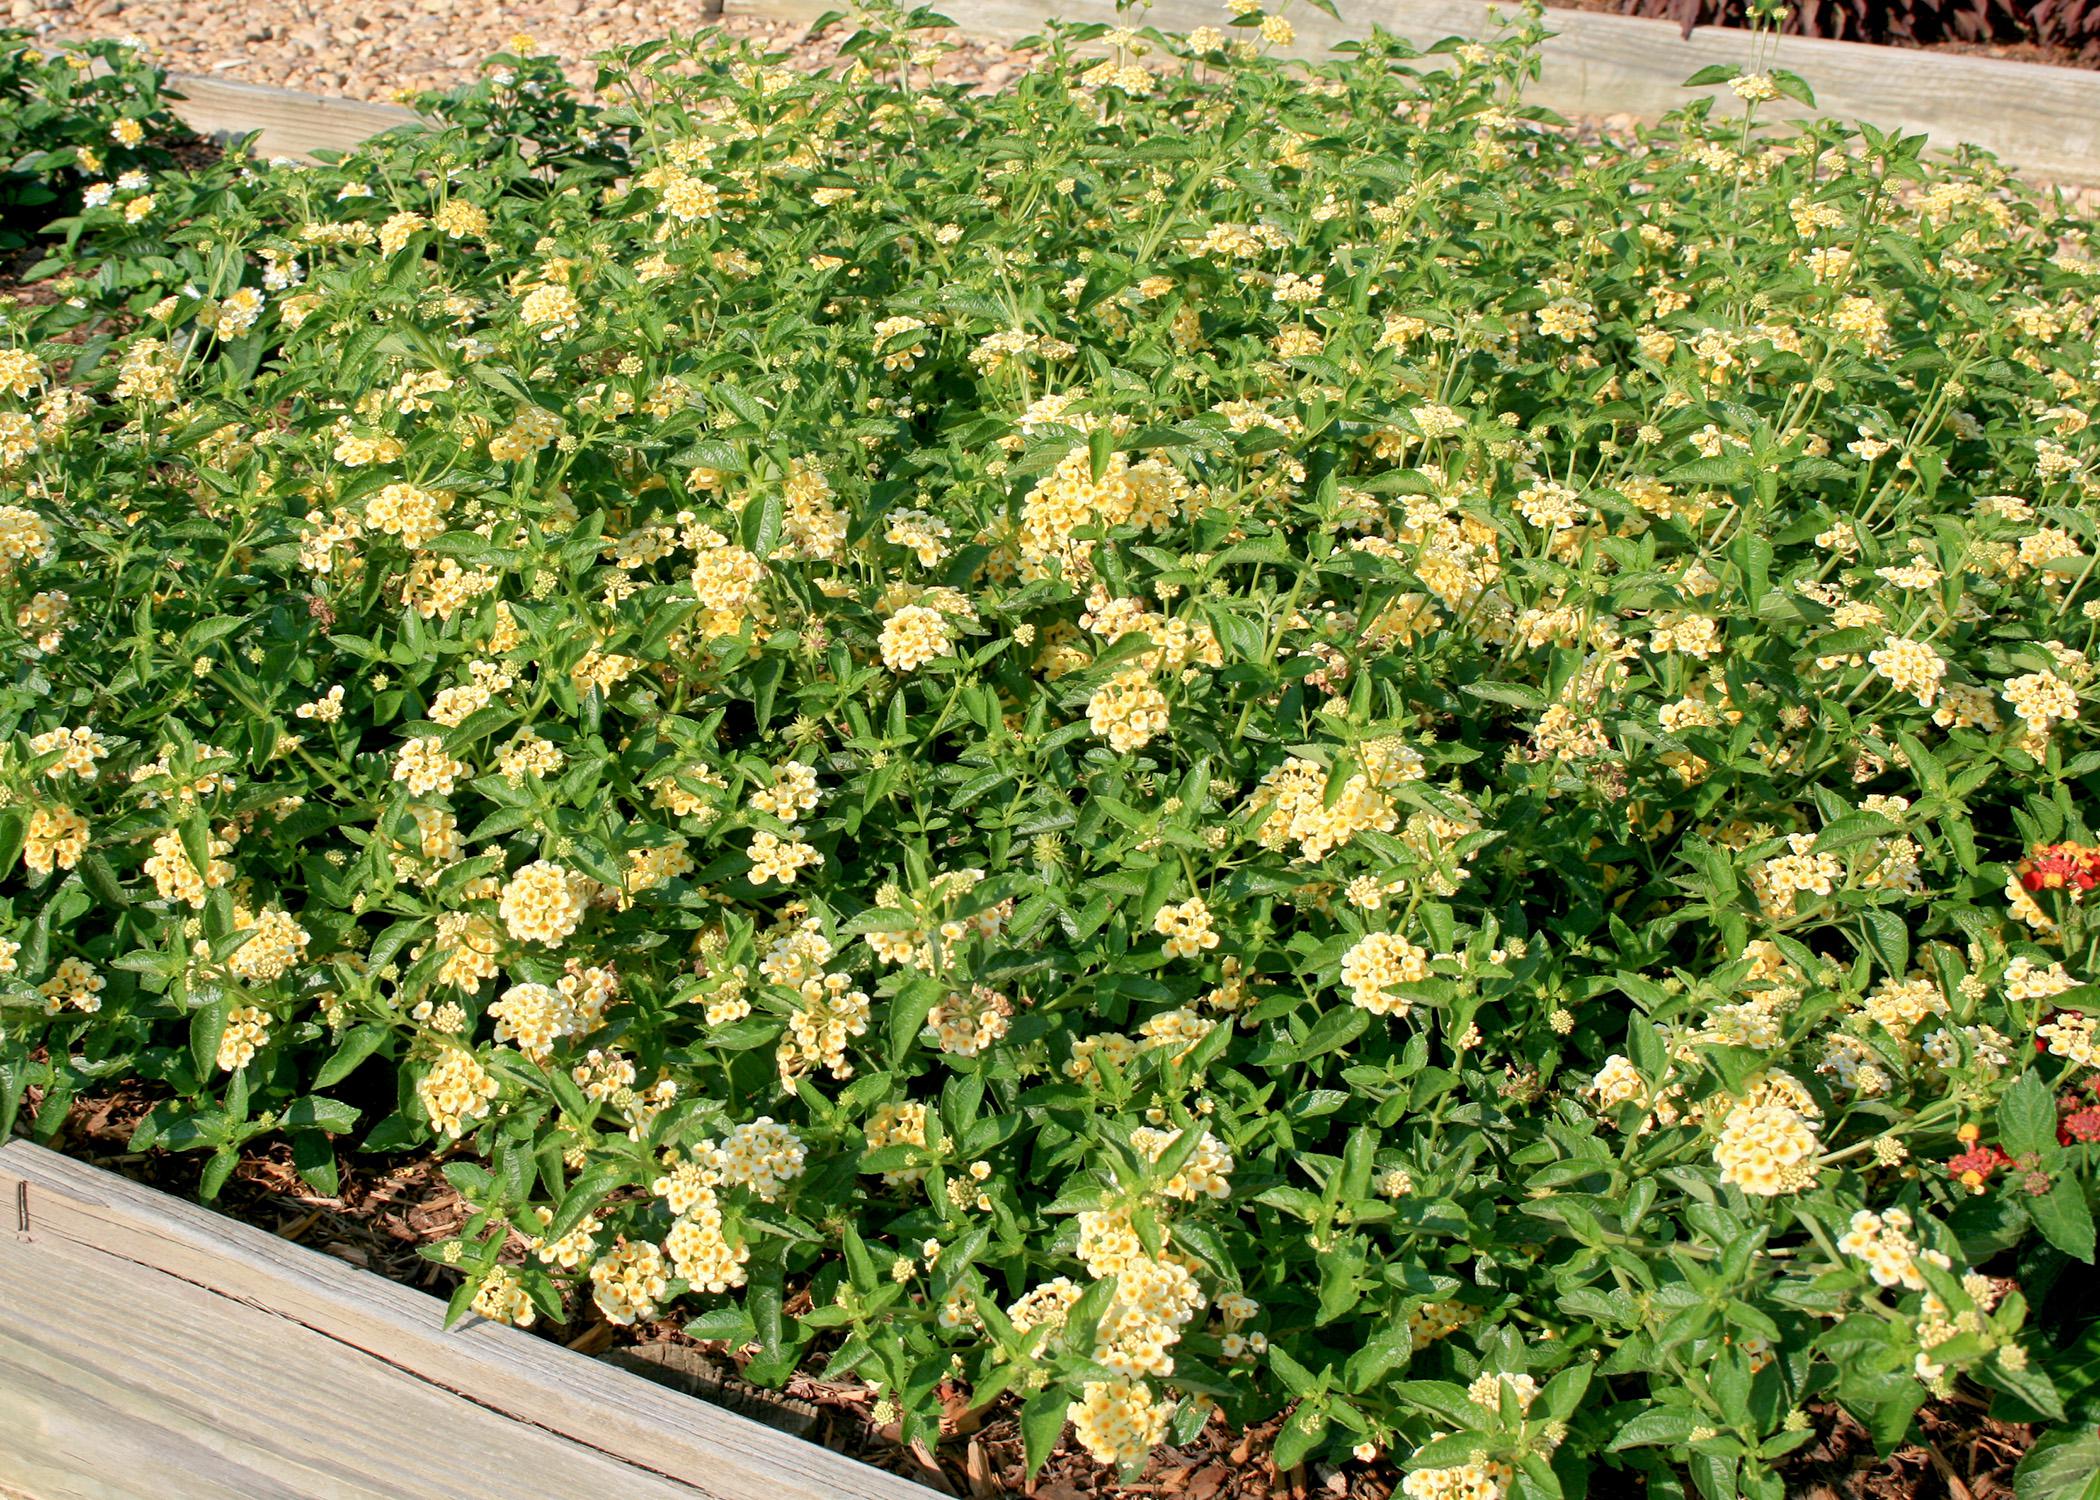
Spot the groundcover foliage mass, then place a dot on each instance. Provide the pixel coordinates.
(1208, 734)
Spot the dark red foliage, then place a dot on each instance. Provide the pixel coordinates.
(2070, 27)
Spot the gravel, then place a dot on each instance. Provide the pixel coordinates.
(375, 49)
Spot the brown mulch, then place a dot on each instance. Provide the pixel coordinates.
(15, 266)
(1964, 1454)
(386, 1208)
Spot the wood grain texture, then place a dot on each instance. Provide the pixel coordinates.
(116, 1380)
(292, 123)
(2043, 120)
(151, 1348)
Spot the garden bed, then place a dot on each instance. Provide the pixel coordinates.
(1268, 765)
(149, 1347)
(384, 1213)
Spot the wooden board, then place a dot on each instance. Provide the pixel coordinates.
(292, 123)
(152, 1349)
(2043, 120)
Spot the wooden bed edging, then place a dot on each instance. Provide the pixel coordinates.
(150, 1348)
(292, 123)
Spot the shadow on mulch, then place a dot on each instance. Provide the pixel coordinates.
(1964, 1454)
(191, 153)
(15, 282)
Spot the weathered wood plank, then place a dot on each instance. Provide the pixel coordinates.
(2043, 120)
(211, 1359)
(118, 1380)
(292, 123)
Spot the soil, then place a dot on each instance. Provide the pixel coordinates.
(387, 1208)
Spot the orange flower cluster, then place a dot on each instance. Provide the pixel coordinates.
(2058, 867)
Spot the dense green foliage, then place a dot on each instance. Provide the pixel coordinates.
(1203, 734)
(68, 118)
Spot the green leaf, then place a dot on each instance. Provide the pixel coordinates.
(1042, 1425)
(1243, 640)
(2027, 1117)
(1725, 470)
(1658, 1426)
(461, 1302)
(1888, 936)
(909, 1008)
(859, 1264)
(314, 1157)
(589, 1190)
(1889, 1421)
(358, 1043)
(742, 403)
(1856, 828)
(1793, 86)
(207, 1025)
(709, 453)
(196, 842)
(216, 1172)
(2065, 1218)
(1513, 694)
(1339, 1289)
(1296, 1379)
(396, 1132)
(1387, 1349)
(2035, 1392)
(331, 1115)
(1714, 1476)
(98, 877)
(1100, 447)
(1537, 1480)
(1302, 1433)
(14, 827)
(729, 1325)
(1445, 1400)
(468, 1179)
(761, 520)
(568, 1093)
(1335, 1029)
(2061, 1466)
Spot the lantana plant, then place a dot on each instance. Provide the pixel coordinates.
(1205, 735)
